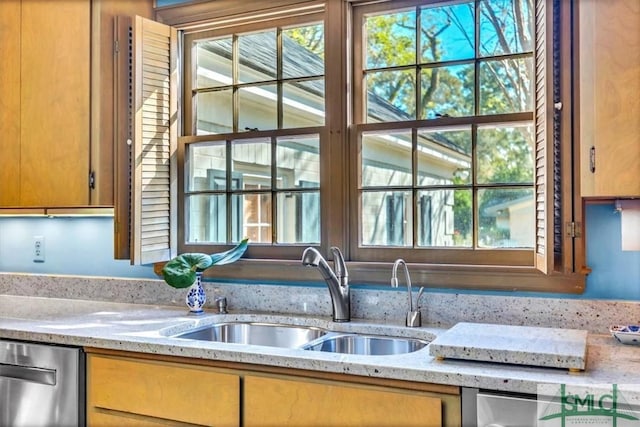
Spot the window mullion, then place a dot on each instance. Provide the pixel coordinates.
(414, 185)
(274, 193)
(235, 69)
(228, 188)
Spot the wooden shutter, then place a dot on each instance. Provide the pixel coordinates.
(544, 136)
(557, 198)
(154, 141)
(146, 141)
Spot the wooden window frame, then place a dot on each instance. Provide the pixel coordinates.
(546, 272)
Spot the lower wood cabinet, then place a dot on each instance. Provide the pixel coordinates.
(132, 389)
(298, 402)
(123, 391)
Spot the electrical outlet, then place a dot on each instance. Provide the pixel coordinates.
(38, 248)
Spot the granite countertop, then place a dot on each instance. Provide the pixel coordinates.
(147, 329)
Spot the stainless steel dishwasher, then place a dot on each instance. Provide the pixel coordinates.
(41, 385)
(492, 409)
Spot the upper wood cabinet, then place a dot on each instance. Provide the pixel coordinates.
(56, 108)
(105, 83)
(9, 101)
(46, 80)
(610, 98)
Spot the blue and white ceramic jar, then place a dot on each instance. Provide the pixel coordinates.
(196, 297)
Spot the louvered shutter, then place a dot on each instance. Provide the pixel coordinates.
(548, 116)
(154, 169)
(544, 138)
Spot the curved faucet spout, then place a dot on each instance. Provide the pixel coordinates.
(337, 280)
(413, 315)
(394, 278)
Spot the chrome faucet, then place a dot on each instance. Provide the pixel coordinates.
(337, 280)
(414, 318)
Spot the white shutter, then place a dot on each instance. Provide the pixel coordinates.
(154, 177)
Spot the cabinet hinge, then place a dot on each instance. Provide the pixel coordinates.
(574, 229)
(116, 46)
(92, 180)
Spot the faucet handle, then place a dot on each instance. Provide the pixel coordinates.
(221, 302)
(339, 265)
(414, 319)
(420, 292)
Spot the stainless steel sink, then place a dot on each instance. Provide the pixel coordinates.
(267, 334)
(366, 345)
(303, 337)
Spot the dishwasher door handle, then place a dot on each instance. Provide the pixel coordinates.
(28, 373)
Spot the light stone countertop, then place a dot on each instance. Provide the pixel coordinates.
(146, 328)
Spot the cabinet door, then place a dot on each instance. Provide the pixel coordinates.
(54, 123)
(125, 391)
(280, 402)
(9, 102)
(609, 97)
(103, 83)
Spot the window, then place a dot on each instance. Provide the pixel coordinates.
(257, 110)
(451, 147)
(444, 112)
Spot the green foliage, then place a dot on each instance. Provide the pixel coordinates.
(310, 37)
(181, 271)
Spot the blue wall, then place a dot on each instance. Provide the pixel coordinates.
(84, 246)
(161, 3)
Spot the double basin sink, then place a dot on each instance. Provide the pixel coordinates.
(303, 337)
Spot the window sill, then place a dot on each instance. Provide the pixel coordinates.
(495, 278)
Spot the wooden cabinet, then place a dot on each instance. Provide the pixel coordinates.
(104, 83)
(128, 392)
(56, 101)
(305, 402)
(129, 389)
(609, 98)
(9, 101)
(45, 130)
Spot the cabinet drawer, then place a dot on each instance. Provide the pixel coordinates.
(161, 390)
(279, 402)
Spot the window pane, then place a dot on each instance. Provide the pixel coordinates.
(214, 111)
(390, 39)
(506, 26)
(445, 218)
(505, 154)
(303, 104)
(303, 51)
(506, 86)
(507, 218)
(258, 108)
(258, 57)
(207, 166)
(206, 219)
(386, 218)
(447, 91)
(299, 217)
(213, 63)
(298, 162)
(256, 216)
(391, 96)
(444, 157)
(447, 32)
(251, 166)
(386, 159)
